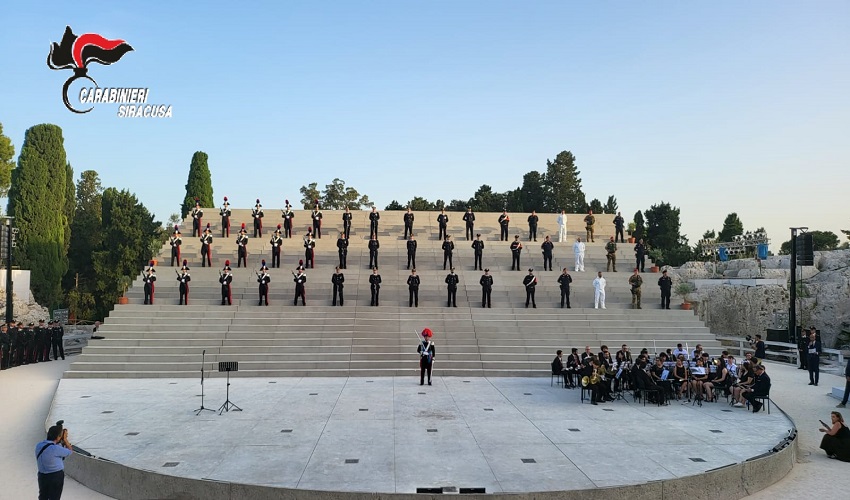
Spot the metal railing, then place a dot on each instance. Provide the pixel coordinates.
(777, 349)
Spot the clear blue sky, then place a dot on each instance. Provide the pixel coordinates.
(713, 106)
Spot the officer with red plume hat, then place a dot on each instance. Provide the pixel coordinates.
(426, 355)
(287, 215)
(263, 278)
(257, 215)
(175, 241)
(149, 278)
(184, 279)
(242, 247)
(206, 247)
(316, 215)
(197, 215)
(225, 219)
(276, 242)
(225, 277)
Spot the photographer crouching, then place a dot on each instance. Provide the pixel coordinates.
(50, 455)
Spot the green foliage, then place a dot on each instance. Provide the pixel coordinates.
(128, 230)
(7, 163)
(662, 226)
(85, 237)
(611, 206)
(336, 196)
(535, 193)
(198, 185)
(485, 200)
(679, 254)
(173, 220)
(419, 204)
(596, 206)
(514, 200)
(70, 205)
(822, 240)
(564, 184)
(630, 229)
(657, 256)
(394, 205)
(640, 227)
(457, 206)
(81, 305)
(36, 200)
(732, 226)
(684, 289)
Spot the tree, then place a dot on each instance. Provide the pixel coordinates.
(513, 200)
(394, 205)
(640, 226)
(419, 204)
(596, 206)
(173, 220)
(7, 163)
(457, 206)
(198, 185)
(732, 226)
(611, 205)
(336, 196)
(37, 201)
(129, 235)
(535, 195)
(562, 178)
(486, 200)
(85, 237)
(309, 195)
(70, 205)
(662, 226)
(821, 240)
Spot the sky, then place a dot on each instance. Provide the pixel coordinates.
(714, 107)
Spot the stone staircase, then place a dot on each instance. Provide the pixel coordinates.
(166, 340)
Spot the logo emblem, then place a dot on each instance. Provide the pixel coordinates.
(76, 52)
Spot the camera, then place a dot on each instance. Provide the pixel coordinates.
(749, 338)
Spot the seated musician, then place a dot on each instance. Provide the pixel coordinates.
(599, 392)
(622, 364)
(722, 379)
(625, 353)
(559, 367)
(573, 366)
(680, 376)
(655, 393)
(700, 386)
(761, 388)
(656, 373)
(744, 385)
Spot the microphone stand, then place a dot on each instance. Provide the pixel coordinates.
(199, 410)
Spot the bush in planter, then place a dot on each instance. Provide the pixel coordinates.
(684, 289)
(657, 256)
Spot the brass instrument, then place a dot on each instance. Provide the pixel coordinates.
(594, 377)
(585, 380)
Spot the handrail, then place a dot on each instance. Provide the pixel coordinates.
(791, 352)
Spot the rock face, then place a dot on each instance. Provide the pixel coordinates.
(824, 296)
(23, 311)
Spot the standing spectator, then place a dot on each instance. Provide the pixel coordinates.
(589, 221)
(49, 456)
(760, 348)
(640, 255)
(843, 402)
(666, 286)
(619, 222)
(814, 351)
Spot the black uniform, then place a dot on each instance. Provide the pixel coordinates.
(175, 242)
(276, 243)
(338, 279)
(486, 282)
(530, 283)
(426, 360)
(206, 250)
(32, 344)
(42, 335)
(504, 223)
(469, 218)
(451, 282)
(264, 279)
(618, 228)
(149, 280)
(547, 247)
(299, 280)
(373, 223)
(413, 287)
(640, 256)
(309, 253)
(225, 221)
(408, 224)
(564, 280)
(346, 224)
(342, 249)
(226, 293)
(375, 287)
(666, 285)
(287, 215)
(373, 252)
(257, 214)
(242, 250)
(532, 226)
(442, 222)
(5, 347)
(813, 349)
(197, 216)
(448, 249)
(317, 223)
(184, 280)
(411, 253)
(478, 252)
(516, 251)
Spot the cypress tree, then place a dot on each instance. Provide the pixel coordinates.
(37, 201)
(70, 205)
(199, 184)
(7, 153)
(562, 178)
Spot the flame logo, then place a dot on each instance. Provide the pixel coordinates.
(76, 52)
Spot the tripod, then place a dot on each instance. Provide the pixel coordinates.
(228, 366)
(199, 410)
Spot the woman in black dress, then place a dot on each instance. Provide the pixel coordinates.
(836, 441)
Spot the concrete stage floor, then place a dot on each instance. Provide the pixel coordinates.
(392, 435)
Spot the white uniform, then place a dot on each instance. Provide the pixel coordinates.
(578, 250)
(599, 296)
(562, 227)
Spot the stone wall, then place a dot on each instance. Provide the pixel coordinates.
(25, 312)
(734, 309)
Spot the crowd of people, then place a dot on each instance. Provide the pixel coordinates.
(672, 374)
(26, 344)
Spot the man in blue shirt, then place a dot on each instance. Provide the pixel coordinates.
(49, 455)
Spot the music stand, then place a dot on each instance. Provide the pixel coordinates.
(228, 366)
(199, 410)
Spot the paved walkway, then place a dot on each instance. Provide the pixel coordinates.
(27, 393)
